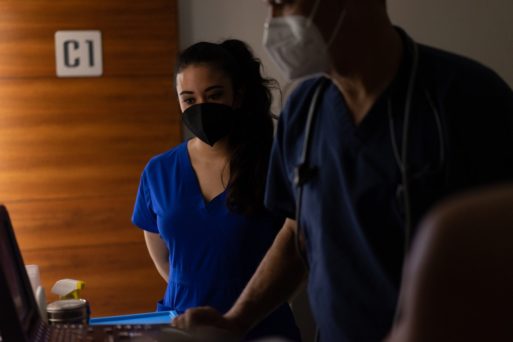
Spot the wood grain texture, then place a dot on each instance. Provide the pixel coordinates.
(74, 222)
(85, 137)
(139, 37)
(72, 149)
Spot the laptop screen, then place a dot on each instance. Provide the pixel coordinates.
(18, 310)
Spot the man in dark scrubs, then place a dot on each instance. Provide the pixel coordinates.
(398, 127)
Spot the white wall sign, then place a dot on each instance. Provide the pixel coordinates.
(78, 53)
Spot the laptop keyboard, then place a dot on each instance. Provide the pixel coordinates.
(62, 333)
(106, 333)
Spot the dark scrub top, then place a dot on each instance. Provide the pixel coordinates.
(352, 209)
(213, 252)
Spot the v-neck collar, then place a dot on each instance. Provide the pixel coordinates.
(375, 120)
(204, 203)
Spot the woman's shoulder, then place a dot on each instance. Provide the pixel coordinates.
(167, 158)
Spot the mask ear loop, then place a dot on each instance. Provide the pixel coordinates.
(337, 26)
(340, 20)
(313, 13)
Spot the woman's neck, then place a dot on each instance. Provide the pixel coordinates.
(219, 151)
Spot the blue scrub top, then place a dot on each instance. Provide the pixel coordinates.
(352, 209)
(213, 251)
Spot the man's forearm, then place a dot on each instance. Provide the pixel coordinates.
(278, 276)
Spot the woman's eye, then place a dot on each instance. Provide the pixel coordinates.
(279, 2)
(215, 96)
(188, 101)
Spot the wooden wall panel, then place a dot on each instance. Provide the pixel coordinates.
(77, 222)
(139, 37)
(72, 149)
(81, 136)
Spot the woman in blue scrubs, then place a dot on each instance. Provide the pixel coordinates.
(200, 204)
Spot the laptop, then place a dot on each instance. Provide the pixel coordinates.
(20, 320)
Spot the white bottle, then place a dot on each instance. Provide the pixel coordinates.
(39, 291)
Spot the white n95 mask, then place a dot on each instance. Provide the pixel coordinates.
(296, 45)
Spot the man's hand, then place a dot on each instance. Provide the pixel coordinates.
(205, 321)
(275, 280)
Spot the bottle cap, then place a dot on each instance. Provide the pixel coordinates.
(68, 311)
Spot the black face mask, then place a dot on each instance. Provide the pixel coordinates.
(209, 121)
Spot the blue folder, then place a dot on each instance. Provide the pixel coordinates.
(159, 317)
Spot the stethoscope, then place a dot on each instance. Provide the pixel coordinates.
(304, 171)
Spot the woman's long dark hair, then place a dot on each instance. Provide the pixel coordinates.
(251, 139)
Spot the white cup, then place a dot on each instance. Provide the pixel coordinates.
(35, 278)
